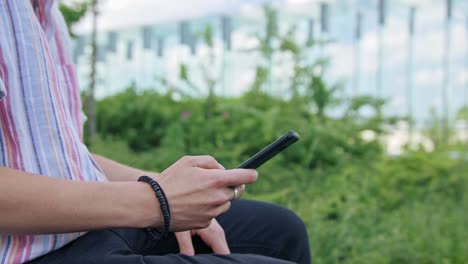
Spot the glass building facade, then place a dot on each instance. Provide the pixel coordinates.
(413, 55)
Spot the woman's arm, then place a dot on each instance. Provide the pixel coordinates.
(37, 204)
(198, 190)
(119, 172)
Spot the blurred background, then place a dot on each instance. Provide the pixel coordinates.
(377, 89)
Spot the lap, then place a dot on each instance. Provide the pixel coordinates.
(256, 232)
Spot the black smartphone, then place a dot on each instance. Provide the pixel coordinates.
(271, 150)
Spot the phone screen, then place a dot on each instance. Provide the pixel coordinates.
(271, 150)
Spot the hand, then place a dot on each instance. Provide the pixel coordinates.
(213, 236)
(197, 189)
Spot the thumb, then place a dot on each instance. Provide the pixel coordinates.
(184, 239)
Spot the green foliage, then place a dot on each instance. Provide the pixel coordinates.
(410, 209)
(139, 119)
(462, 113)
(407, 209)
(151, 120)
(207, 35)
(440, 130)
(360, 206)
(73, 13)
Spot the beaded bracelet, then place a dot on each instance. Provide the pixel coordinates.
(163, 204)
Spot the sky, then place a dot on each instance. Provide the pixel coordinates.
(124, 13)
(428, 42)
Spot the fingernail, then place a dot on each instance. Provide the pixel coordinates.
(221, 166)
(256, 173)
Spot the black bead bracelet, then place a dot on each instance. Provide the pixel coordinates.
(163, 204)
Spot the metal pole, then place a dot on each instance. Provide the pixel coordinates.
(357, 64)
(310, 31)
(465, 93)
(273, 30)
(224, 72)
(226, 27)
(324, 26)
(446, 80)
(380, 47)
(160, 73)
(409, 97)
(147, 36)
(180, 59)
(379, 62)
(357, 53)
(91, 103)
(310, 44)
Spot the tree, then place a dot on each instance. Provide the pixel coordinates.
(73, 13)
(90, 100)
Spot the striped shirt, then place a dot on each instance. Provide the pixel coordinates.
(40, 111)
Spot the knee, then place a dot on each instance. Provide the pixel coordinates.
(291, 225)
(292, 234)
(278, 227)
(280, 224)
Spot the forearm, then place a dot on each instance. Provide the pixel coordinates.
(119, 172)
(37, 204)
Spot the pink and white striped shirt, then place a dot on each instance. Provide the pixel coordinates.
(40, 111)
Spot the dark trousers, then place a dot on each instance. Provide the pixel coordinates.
(256, 232)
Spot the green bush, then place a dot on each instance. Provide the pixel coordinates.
(408, 209)
(236, 128)
(360, 205)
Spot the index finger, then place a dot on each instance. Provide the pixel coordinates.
(204, 161)
(184, 239)
(235, 177)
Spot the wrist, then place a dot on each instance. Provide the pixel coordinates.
(164, 206)
(146, 213)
